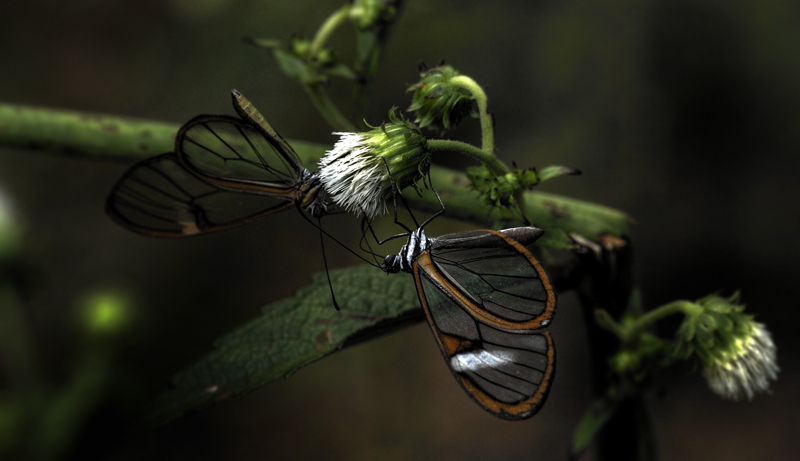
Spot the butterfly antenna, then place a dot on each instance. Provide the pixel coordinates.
(325, 261)
(366, 226)
(299, 210)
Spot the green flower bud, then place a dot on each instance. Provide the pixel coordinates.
(438, 104)
(354, 173)
(367, 14)
(737, 353)
(498, 191)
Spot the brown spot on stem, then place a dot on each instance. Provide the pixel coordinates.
(555, 210)
(109, 128)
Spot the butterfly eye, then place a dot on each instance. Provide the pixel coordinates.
(391, 264)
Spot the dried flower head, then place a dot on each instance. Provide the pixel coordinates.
(354, 173)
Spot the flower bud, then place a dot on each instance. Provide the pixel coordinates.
(737, 353)
(438, 104)
(354, 173)
(367, 14)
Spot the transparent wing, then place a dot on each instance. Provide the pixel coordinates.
(508, 374)
(493, 277)
(235, 154)
(161, 198)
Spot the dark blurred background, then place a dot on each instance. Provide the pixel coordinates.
(684, 113)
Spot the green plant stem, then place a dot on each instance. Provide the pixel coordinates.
(17, 357)
(487, 132)
(84, 134)
(332, 115)
(487, 123)
(652, 316)
(629, 331)
(328, 27)
(68, 407)
(490, 160)
(99, 136)
(81, 135)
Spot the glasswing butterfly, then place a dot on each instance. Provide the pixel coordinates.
(486, 299)
(225, 172)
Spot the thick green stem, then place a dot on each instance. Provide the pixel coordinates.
(488, 159)
(487, 124)
(84, 134)
(98, 136)
(108, 138)
(328, 27)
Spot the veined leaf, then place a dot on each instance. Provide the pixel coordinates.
(593, 420)
(291, 333)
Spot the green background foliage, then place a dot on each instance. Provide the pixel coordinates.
(682, 113)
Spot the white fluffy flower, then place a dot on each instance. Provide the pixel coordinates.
(355, 174)
(747, 368)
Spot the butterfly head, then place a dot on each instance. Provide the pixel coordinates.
(391, 264)
(312, 195)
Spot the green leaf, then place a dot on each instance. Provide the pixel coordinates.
(554, 171)
(595, 418)
(291, 64)
(291, 333)
(341, 70)
(267, 43)
(368, 52)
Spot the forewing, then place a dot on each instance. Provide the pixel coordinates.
(508, 374)
(494, 278)
(161, 198)
(235, 154)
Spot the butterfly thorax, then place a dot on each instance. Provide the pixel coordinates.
(311, 195)
(417, 244)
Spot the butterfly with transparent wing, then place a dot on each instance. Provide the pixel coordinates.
(487, 300)
(225, 172)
